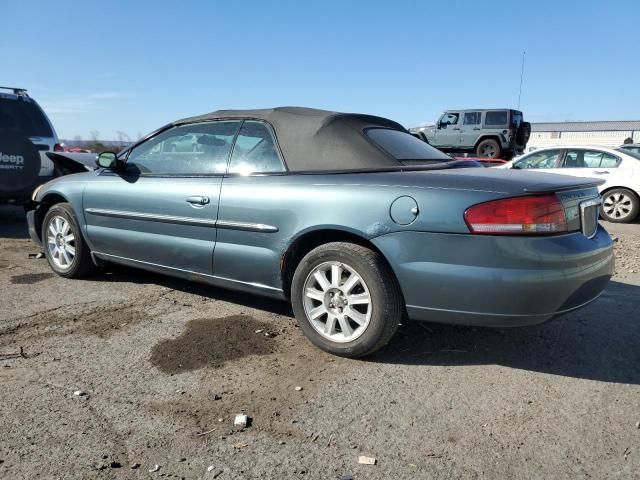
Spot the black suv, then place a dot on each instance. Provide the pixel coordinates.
(25, 136)
(492, 133)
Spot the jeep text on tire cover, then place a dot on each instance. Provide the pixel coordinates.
(11, 161)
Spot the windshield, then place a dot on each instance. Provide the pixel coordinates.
(23, 117)
(406, 148)
(633, 153)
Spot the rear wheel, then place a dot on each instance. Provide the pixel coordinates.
(488, 149)
(346, 299)
(620, 205)
(65, 248)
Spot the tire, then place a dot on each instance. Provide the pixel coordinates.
(67, 263)
(619, 205)
(19, 164)
(488, 149)
(523, 133)
(357, 329)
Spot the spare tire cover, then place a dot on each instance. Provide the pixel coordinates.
(19, 162)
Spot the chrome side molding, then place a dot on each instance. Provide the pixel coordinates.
(151, 217)
(250, 227)
(201, 222)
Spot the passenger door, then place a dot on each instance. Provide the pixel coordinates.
(470, 129)
(590, 163)
(251, 216)
(448, 130)
(161, 210)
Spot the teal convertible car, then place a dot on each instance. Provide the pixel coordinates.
(352, 219)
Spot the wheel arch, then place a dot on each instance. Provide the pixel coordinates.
(608, 189)
(307, 241)
(490, 136)
(48, 201)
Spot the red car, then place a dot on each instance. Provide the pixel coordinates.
(487, 162)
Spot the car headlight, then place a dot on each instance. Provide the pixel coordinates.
(35, 193)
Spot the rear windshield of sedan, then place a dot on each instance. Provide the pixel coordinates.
(405, 147)
(630, 152)
(23, 117)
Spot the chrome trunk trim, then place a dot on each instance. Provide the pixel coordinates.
(589, 213)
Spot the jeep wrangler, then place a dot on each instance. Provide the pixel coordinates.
(494, 133)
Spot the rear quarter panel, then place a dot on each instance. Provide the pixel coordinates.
(299, 204)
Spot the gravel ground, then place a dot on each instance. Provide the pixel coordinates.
(164, 366)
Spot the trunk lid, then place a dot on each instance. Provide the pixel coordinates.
(511, 182)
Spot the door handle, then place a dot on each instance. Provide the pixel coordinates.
(198, 200)
(601, 172)
(477, 129)
(455, 129)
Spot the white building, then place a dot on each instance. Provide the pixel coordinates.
(606, 134)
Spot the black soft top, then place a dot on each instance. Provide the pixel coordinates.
(313, 140)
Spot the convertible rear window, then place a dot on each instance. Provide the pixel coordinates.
(405, 147)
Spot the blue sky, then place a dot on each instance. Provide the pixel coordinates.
(132, 66)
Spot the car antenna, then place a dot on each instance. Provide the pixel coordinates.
(521, 75)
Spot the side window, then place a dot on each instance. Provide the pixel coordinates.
(495, 119)
(575, 159)
(255, 150)
(449, 119)
(589, 159)
(592, 158)
(472, 118)
(193, 149)
(609, 161)
(543, 159)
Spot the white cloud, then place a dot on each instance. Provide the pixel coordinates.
(67, 106)
(108, 95)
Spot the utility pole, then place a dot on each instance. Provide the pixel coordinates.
(521, 75)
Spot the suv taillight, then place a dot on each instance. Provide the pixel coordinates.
(58, 147)
(530, 215)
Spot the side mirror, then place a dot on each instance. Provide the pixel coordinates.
(107, 160)
(438, 124)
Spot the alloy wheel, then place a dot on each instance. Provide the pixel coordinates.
(617, 205)
(337, 302)
(61, 242)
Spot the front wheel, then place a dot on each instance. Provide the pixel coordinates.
(619, 205)
(346, 299)
(65, 248)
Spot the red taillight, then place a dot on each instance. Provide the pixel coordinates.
(535, 214)
(59, 147)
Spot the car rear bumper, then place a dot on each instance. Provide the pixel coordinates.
(497, 281)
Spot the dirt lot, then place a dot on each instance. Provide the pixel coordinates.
(165, 365)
